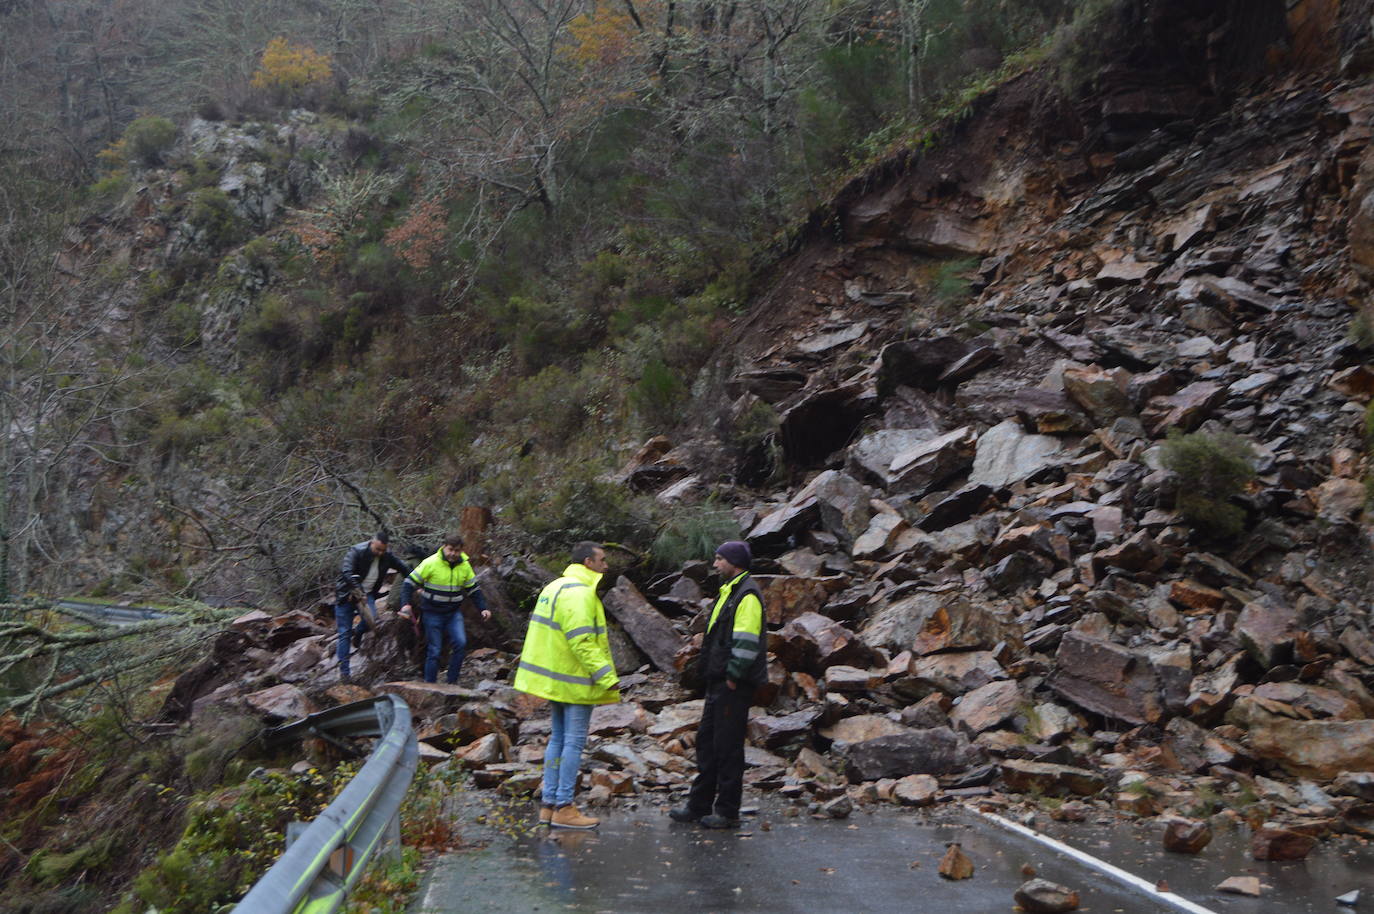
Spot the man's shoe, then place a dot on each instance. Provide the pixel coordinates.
(545, 815)
(683, 814)
(717, 821)
(569, 817)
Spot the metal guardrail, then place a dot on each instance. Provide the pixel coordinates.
(328, 857)
(108, 613)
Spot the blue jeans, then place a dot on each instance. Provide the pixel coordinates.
(437, 627)
(343, 624)
(567, 736)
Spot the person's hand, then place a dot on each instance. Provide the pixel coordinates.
(486, 614)
(730, 684)
(405, 611)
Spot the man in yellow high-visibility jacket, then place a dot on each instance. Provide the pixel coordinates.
(734, 662)
(444, 580)
(567, 659)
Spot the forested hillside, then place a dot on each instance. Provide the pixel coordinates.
(281, 272)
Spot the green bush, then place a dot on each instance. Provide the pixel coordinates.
(950, 286)
(658, 395)
(692, 533)
(111, 188)
(1361, 331)
(147, 140)
(579, 508)
(1211, 468)
(230, 840)
(185, 433)
(181, 323)
(211, 213)
(272, 326)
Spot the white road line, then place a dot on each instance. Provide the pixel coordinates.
(1101, 866)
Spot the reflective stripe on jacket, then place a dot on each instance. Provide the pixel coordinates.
(445, 583)
(567, 653)
(734, 647)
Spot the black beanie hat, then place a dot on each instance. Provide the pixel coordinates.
(737, 553)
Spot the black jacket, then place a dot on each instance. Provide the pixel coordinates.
(357, 561)
(718, 644)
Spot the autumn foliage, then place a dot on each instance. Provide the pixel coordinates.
(605, 38)
(289, 68)
(421, 236)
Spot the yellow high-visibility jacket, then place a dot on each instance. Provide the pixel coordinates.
(445, 583)
(567, 654)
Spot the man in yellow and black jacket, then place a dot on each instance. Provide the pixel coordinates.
(567, 659)
(446, 579)
(733, 662)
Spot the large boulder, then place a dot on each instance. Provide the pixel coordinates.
(843, 503)
(918, 363)
(938, 750)
(1007, 454)
(1107, 678)
(279, 703)
(988, 706)
(1319, 749)
(1184, 410)
(1099, 392)
(895, 626)
(870, 458)
(927, 464)
(775, 731)
(952, 674)
(648, 628)
(833, 500)
(961, 625)
(1266, 630)
(785, 596)
(811, 642)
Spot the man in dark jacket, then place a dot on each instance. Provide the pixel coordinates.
(733, 663)
(365, 566)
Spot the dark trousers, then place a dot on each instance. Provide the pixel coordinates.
(720, 751)
(438, 627)
(343, 624)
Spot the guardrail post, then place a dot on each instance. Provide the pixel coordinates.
(391, 844)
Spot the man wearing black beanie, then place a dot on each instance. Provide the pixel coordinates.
(733, 663)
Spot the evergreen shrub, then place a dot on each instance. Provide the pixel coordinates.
(658, 395)
(147, 140)
(1211, 468)
(211, 213)
(692, 533)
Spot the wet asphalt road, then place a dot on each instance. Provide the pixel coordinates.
(640, 861)
(1301, 887)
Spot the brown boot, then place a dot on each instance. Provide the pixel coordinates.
(545, 815)
(569, 817)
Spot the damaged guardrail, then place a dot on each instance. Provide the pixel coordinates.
(108, 613)
(329, 855)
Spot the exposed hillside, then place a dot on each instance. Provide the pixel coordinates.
(1050, 430)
